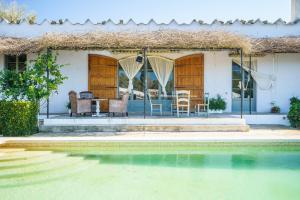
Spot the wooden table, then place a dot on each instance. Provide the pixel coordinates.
(98, 109)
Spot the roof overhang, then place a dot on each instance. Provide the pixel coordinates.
(155, 40)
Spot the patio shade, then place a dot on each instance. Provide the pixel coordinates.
(162, 68)
(131, 68)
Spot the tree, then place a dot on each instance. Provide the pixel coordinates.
(15, 13)
(33, 84)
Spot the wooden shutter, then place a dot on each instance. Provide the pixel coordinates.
(189, 75)
(103, 78)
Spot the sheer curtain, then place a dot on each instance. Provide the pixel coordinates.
(162, 68)
(131, 68)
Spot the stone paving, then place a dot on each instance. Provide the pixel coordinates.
(260, 132)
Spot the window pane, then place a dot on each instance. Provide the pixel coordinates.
(10, 62)
(22, 58)
(123, 82)
(22, 67)
(153, 84)
(236, 84)
(235, 67)
(10, 58)
(138, 85)
(236, 75)
(11, 66)
(236, 93)
(247, 92)
(170, 84)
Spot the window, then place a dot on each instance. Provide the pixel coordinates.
(153, 85)
(17, 63)
(249, 85)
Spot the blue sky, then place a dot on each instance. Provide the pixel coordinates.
(159, 10)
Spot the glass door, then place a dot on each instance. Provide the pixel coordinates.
(249, 102)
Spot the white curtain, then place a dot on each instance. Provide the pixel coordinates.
(264, 81)
(131, 68)
(162, 68)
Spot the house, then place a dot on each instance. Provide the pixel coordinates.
(199, 57)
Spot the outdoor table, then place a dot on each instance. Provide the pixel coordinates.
(98, 109)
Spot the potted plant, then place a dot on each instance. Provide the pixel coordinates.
(68, 105)
(217, 105)
(274, 108)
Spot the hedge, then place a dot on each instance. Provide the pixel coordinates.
(18, 118)
(294, 113)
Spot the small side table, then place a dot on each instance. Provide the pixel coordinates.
(98, 107)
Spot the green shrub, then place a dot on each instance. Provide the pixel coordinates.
(217, 103)
(294, 113)
(18, 118)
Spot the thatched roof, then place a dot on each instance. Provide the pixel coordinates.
(276, 45)
(128, 40)
(213, 40)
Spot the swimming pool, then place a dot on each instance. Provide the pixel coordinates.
(149, 170)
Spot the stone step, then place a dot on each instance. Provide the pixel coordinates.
(146, 121)
(24, 155)
(69, 168)
(32, 161)
(144, 128)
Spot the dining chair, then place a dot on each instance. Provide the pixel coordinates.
(183, 102)
(154, 107)
(204, 107)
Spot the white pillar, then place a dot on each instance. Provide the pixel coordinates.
(295, 8)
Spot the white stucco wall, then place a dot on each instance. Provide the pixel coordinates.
(286, 69)
(1, 61)
(217, 80)
(258, 29)
(217, 75)
(76, 69)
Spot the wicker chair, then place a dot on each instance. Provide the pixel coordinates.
(89, 95)
(79, 106)
(119, 106)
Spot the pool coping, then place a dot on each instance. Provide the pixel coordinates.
(198, 140)
(256, 134)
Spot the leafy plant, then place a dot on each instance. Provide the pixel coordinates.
(217, 103)
(18, 118)
(32, 84)
(12, 85)
(15, 13)
(294, 112)
(22, 93)
(68, 105)
(38, 85)
(274, 108)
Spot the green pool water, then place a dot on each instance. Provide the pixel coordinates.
(193, 171)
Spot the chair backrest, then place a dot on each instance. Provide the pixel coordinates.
(183, 97)
(73, 101)
(86, 95)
